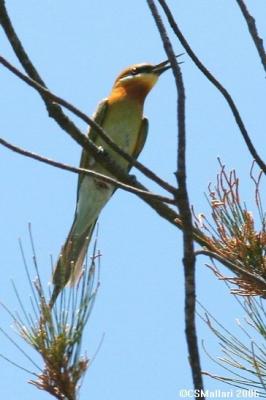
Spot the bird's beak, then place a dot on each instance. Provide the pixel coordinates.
(164, 66)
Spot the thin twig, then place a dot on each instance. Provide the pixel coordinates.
(15, 344)
(17, 45)
(237, 269)
(96, 175)
(184, 209)
(216, 83)
(251, 23)
(17, 365)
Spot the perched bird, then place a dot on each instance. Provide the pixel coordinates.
(121, 116)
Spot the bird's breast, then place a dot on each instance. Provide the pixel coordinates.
(122, 123)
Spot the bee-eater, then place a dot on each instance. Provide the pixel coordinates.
(121, 116)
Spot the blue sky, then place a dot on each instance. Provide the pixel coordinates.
(79, 50)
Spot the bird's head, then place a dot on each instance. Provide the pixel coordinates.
(137, 80)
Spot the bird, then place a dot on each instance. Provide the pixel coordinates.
(121, 117)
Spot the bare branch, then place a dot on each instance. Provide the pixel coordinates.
(251, 23)
(54, 111)
(82, 171)
(17, 45)
(216, 83)
(153, 200)
(182, 201)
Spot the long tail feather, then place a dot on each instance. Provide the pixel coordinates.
(69, 265)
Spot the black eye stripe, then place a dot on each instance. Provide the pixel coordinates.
(135, 70)
(141, 69)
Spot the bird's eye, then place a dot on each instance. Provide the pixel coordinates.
(134, 71)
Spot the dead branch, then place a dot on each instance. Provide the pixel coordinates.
(82, 171)
(251, 23)
(216, 83)
(182, 201)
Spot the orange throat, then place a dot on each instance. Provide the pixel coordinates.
(136, 91)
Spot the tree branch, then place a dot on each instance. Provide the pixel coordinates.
(237, 269)
(251, 23)
(82, 171)
(182, 200)
(216, 83)
(17, 45)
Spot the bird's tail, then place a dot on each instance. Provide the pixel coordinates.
(69, 265)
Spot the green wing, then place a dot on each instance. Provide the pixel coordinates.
(142, 136)
(87, 158)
